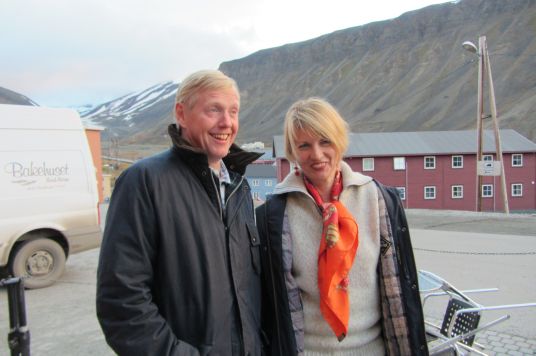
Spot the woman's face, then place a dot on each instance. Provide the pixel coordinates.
(317, 157)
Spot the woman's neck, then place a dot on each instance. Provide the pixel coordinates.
(324, 189)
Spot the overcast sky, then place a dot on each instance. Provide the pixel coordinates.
(75, 52)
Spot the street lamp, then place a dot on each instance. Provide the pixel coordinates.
(470, 46)
(482, 169)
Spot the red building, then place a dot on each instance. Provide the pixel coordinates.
(437, 169)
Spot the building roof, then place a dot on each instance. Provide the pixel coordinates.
(425, 143)
(261, 170)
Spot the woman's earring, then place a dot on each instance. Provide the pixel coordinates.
(296, 171)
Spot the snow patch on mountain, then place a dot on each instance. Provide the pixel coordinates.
(126, 108)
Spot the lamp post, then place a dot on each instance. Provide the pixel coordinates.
(483, 69)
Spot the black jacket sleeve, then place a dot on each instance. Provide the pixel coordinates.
(129, 318)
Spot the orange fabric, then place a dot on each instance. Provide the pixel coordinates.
(338, 247)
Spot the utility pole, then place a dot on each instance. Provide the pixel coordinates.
(484, 70)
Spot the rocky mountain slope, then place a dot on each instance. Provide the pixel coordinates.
(405, 74)
(133, 115)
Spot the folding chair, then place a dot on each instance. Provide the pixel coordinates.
(461, 320)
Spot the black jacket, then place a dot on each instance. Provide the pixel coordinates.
(177, 274)
(276, 320)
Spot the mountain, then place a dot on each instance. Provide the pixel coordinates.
(405, 74)
(10, 97)
(137, 116)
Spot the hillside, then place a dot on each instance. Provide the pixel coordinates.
(10, 97)
(406, 74)
(139, 117)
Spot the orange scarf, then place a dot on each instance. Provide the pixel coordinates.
(336, 254)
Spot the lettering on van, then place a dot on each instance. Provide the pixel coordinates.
(19, 170)
(42, 172)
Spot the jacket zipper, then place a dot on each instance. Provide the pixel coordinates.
(227, 197)
(220, 203)
(234, 190)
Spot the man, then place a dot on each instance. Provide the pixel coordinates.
(179, 268)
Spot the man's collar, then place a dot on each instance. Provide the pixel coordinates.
(223, 175)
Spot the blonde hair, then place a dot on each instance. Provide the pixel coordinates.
(318, 117)
(201, 81)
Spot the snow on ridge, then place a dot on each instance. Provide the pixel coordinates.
(127, 107)
(143, 102)
(102, 108)
(171, 93)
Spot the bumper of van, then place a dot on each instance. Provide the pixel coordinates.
(84, 239)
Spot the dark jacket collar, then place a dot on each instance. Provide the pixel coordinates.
(236, 161)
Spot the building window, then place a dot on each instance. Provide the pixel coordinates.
(429, 162)
(368, 164)
(256, 195)
(399, 163)
(487, 158)
(487, 191)
(457, 191)
(517, 190)
(457, 161)
(429, 192)
(255, 182)
(517, 160)
(401, 192)
(267, 183)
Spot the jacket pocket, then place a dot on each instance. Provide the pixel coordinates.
(254, 246)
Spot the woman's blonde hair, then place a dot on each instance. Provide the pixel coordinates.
(318, 117)
(201, 81)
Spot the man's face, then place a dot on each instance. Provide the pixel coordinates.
(212, 123)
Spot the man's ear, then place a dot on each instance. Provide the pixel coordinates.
(179, 114)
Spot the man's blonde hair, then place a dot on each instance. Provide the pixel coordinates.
(318, 117)
(201, 81)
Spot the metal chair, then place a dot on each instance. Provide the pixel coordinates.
(461, 320)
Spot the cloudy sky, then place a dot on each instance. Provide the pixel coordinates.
(76, 52)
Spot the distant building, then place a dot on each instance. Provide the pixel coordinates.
(437, 169)
(262, 176)
(93, 134)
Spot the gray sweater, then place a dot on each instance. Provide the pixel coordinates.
(360, 196)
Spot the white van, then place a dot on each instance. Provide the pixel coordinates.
(49, 205)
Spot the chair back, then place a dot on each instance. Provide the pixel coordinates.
(464, 322)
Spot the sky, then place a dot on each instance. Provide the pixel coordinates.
(69, 53)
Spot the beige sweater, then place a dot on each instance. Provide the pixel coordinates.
(364, 334)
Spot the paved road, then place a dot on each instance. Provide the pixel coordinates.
(62, 317)
(482, 250)
(467, 221)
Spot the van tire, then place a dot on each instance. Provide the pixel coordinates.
(41, 262)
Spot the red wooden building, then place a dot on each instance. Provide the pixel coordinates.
(437, 169)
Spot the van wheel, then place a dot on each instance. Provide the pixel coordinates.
(40, 261)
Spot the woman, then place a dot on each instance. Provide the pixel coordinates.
(338, 269)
